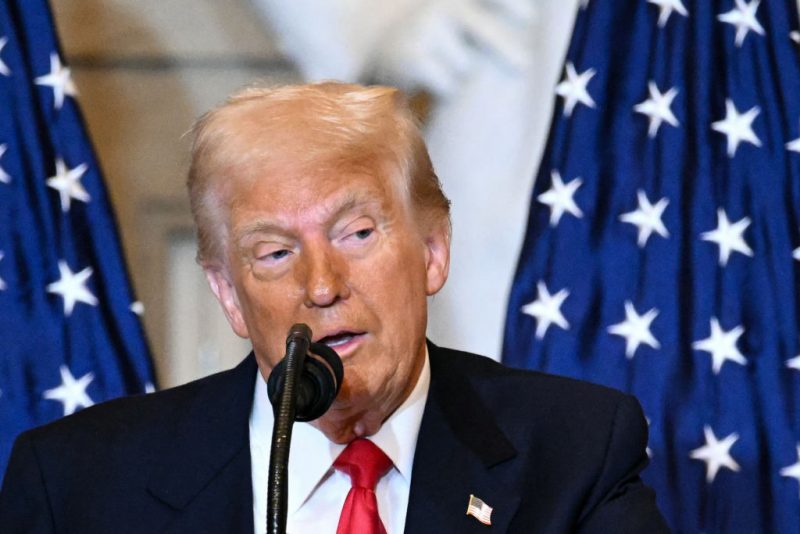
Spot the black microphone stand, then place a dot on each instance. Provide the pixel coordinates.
(297, 345)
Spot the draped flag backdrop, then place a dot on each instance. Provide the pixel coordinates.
(69, 331)
(662, 255)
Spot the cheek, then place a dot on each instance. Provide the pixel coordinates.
(268, 316)
(393, 290)
(397, 273)
(375, 378)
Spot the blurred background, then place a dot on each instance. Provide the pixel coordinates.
(480, 73)
(144, 71)
(673, 116)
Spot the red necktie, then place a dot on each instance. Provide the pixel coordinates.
(365, 464)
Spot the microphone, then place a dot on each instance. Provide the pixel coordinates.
(319, 379)
(301, 387)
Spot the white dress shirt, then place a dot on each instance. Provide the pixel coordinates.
(316, 490)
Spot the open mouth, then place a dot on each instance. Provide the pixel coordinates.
(340, 339)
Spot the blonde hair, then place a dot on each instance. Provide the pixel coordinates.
(313, 126)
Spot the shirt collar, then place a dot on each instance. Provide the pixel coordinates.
(397, 437)
(312, 455)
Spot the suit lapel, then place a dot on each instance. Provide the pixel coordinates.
(204, 474)
(460, 451)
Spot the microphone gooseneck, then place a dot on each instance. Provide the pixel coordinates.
(298, 332)
(301, 388)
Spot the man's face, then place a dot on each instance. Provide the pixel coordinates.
(341, 252)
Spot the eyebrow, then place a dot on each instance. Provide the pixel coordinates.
(351, 201)
(258, 227)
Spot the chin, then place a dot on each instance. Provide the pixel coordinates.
(344, 425)
(341, 438)
(338, 434)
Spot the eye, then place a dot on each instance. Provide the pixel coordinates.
(358, 233)
(278, 254)
(363, 233)
(270, 253)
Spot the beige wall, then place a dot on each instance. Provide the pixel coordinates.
(145, 69)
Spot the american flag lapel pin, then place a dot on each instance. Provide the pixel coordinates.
(479, 510)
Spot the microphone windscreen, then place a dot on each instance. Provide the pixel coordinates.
(317, 386)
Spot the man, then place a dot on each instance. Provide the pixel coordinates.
(319, 204)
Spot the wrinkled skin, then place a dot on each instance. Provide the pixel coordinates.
(342, 252)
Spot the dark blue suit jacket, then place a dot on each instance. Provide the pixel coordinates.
(548, 454)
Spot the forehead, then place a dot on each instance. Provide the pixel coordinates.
(288, 197)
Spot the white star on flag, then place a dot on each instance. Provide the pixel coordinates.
(794, 145)
(149, 388)
(546, 309)
(59, 79)
(796, 254)
(657, 108)
(4, 70)
(716, 454)
(4, 176)
(647, 218)
(635, 329)
(560, 198)
(721, 345)
(793, 470)
(729, 237)
(2, 282)
(573, 88)
(647, 449)
(666, 7)
(68, 184)
(743, 16)
(737, 127)
(137, 307)
(71, 393)
(72, 287)
(794, 363)
(795, 36)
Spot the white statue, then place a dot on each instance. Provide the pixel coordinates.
(491, 67)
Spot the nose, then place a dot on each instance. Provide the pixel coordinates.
(325, 278)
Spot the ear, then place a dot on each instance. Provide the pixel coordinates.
(437, 256)
(223, 289)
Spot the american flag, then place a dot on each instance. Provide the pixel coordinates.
(70, 335)
(662, 248)
(479, 510)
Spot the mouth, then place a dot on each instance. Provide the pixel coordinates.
(343, 342)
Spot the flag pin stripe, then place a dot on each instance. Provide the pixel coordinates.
(479, 510)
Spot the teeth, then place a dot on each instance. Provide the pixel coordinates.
(337, 341)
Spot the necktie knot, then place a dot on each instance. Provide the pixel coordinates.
(364, 462)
